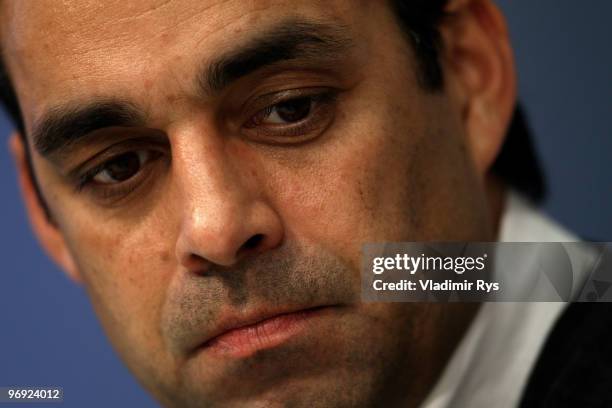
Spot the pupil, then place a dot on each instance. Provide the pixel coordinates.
(124, 166)
(294, 110)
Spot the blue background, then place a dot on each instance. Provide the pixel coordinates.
(49, 335)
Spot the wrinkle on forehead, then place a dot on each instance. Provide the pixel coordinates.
(89, 24)
(77, 49)
(56, 48)
(86, 24)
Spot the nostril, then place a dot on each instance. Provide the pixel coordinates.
(253, 242)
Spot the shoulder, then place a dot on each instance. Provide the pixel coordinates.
(574, 368)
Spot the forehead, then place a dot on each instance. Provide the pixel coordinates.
(57, 50)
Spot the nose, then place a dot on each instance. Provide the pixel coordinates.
(225, 216)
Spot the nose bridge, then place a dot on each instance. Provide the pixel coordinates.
(222, 216)
(207, 180)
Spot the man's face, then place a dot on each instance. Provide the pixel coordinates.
(211, 164)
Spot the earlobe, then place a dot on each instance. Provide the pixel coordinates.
(480, 72)
(47, 233)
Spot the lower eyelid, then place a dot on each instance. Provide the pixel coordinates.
(112, 194)
(106, 191)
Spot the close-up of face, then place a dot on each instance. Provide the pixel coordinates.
(209, 172)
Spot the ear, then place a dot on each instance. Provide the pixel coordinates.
(479, 68)
(47, 232)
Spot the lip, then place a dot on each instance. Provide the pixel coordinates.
(242, 337)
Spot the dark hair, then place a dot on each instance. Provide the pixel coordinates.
(517, 162)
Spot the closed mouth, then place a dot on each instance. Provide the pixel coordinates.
(246, 338)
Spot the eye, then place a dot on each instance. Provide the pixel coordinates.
(292, 116)
(287, 112)
(123, 172)
(121, 168)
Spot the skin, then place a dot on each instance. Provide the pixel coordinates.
(227, 217)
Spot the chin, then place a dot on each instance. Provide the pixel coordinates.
(339, 362)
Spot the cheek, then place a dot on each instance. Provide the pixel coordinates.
(394, 175)
(350, 186)
(126, 271)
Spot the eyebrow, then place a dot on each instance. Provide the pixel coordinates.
(293, 39)
(64, 126)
